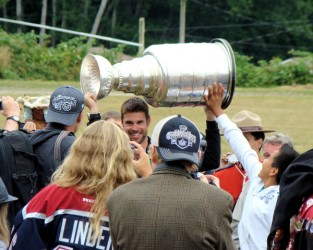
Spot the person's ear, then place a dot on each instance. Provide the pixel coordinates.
(260, 143)
(274, 172)
(153, 154)
(200, 154)
(80, 117)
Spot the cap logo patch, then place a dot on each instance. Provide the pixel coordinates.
(181, 137)
(65, 103)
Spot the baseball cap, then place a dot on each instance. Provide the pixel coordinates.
(66, 103)
(176, 138)
(4, 196)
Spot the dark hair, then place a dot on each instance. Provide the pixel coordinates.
(286, 155)
(258, 135)
(56, 125)
(133, 105)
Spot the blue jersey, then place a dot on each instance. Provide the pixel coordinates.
(58, 218)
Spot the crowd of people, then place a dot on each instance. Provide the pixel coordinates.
(116, 187)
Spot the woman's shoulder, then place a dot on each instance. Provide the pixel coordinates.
(54, 198)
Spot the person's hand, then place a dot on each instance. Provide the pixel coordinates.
(224, 159)
(203, 178)
(10, 107)
(276, 242)
(278, 235)
(213, 179)
(141, 160)
(91, 103)
(214, 98)
(29, 126)
(209, 115)
(208, 178)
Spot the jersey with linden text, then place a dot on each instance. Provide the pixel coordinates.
(58, 218)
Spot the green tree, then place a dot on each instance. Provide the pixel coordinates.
(259, 29)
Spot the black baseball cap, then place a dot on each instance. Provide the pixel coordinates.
(177, 138)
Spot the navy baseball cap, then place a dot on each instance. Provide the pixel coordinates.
(176, 138)
(4, 196)
(66, 103)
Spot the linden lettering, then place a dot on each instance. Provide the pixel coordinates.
(80, 233)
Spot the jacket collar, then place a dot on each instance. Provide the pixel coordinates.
(172, 168)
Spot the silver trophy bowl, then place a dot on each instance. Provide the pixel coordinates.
(166, 75)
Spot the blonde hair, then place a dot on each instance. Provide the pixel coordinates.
(99, 161)
(4, 226)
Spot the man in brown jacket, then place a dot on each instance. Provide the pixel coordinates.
(169, 209)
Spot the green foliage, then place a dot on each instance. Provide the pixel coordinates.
(21, 57)
(3, 3)
(262, 29)
(5, 58)
(24, 58)
(245, 70)
(296, 70)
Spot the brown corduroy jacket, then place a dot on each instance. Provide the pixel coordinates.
(170, 210)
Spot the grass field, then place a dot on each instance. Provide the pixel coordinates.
(286, 109)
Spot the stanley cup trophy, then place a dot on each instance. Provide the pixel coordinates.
(166, 75)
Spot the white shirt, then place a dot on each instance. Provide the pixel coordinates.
(260, 203)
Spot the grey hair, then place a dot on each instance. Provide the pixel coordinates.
(278, 139)
(111, 114)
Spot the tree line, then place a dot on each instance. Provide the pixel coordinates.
(261, 30)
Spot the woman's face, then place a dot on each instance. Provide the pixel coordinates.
(267, 167)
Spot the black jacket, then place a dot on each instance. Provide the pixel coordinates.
(45, 152)
(296, 185)
(212, 154)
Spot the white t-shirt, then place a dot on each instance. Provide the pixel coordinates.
(260, 203)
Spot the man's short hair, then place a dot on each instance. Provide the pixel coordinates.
(133, 105)
(278, 139)
(111, 114)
